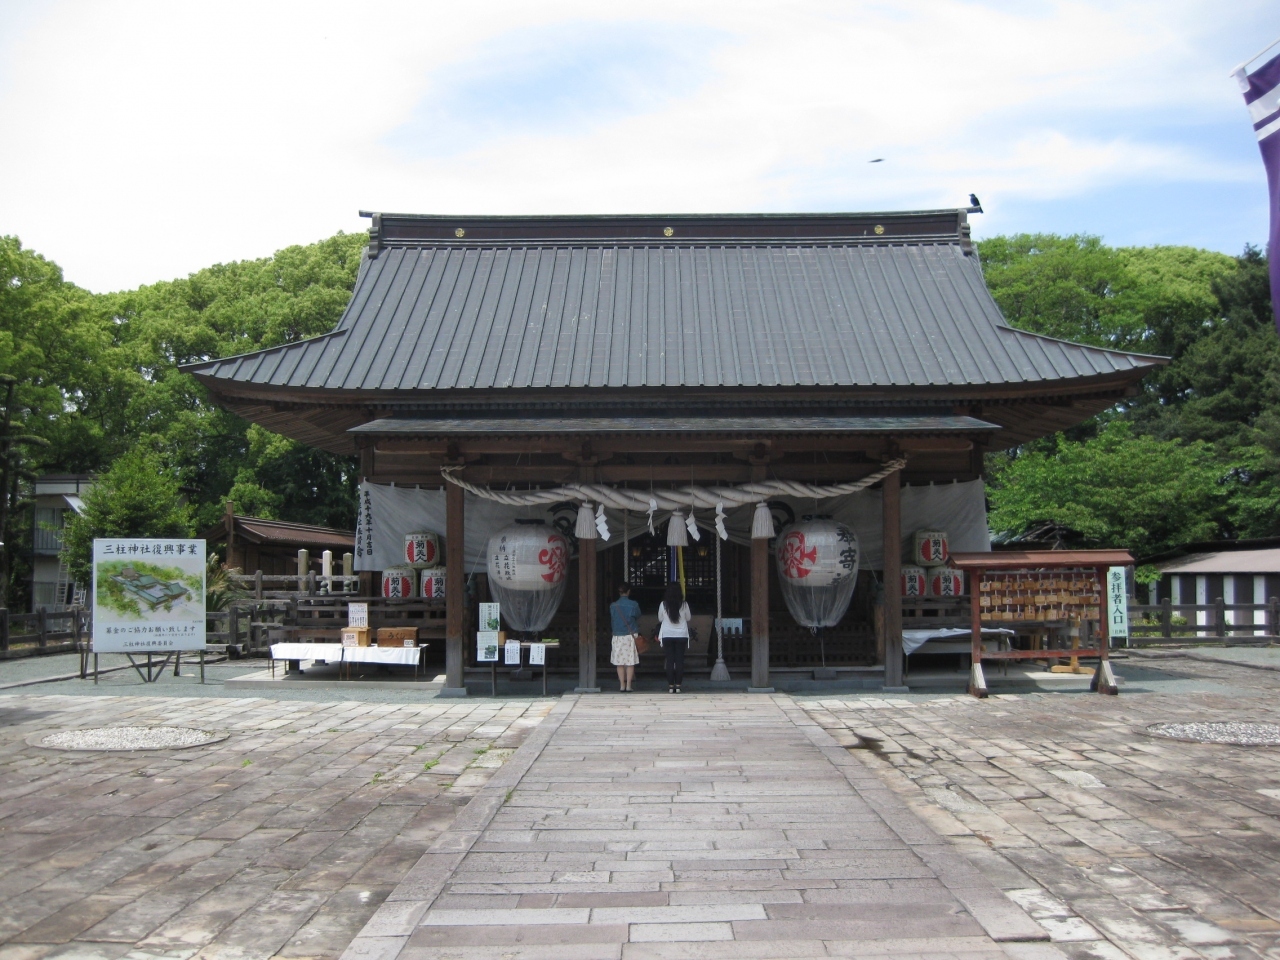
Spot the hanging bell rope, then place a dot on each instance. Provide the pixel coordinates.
(689, 498)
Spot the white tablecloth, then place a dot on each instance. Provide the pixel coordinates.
(408, 656)
(337, 653)
(307, 651)
(913, 640)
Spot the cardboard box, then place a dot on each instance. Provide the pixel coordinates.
(355, 636)
(397, 636)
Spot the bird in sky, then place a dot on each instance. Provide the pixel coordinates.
(876, 160)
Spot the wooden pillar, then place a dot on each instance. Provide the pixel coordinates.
(588, 561)
(455, 592)
(760, 604)
(891, 515)
(588, 567)
(230, 519)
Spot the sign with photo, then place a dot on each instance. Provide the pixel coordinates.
(490, 618)
(487, 646)
(148, 595)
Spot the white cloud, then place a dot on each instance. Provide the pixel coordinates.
(147, 140)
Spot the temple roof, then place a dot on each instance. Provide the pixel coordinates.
(786, 301)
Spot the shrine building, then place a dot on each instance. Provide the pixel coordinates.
(844, 365)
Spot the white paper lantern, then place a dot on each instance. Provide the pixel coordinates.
(931, 548)
(422, 549)
(431, 584)
(945, 582)
(528, 564)
(817, 568)
(914, 582)
(397, 582)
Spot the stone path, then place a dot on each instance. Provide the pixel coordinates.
(280, 841)
(1121, 845)
(709, 826)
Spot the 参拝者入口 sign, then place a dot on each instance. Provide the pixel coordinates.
(148, 595)
(1117, 604)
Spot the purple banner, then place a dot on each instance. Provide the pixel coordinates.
(1262, 94)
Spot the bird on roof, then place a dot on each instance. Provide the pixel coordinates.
(975, 203)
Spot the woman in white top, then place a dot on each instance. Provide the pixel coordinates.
(673, 634)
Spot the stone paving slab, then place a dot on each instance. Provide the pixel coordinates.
(692, 826)
(281, 841)
(1117, 843)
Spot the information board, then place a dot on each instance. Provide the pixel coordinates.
(490, 617)
(148, 595)
(487, 646)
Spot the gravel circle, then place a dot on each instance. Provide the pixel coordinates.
(1238, 732)
(130, 738)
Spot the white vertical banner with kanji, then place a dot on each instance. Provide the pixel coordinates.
(148, 595)
(1117, 604)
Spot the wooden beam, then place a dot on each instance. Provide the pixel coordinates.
(891, 518)
(455, 591)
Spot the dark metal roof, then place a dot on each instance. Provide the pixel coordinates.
(753, 301)
(393, 426)
(258, 530)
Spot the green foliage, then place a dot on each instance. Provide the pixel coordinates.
(136, 497)
(98, 378)
(220, 591)
(1207, 425)
(1116, 489)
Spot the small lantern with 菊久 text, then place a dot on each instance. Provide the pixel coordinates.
(945, 582)
(931, 548)
(397, 583)
(914, 582)
(432, 584)
(422, 549)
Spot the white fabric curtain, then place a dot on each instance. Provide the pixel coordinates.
(387, 513)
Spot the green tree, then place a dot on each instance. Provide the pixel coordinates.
(1117, 489)
(137, 497)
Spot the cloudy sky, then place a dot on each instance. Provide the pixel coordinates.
(143, 141)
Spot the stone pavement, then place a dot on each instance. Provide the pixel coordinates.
(707, 826)
(1120, 844)
(280, 841)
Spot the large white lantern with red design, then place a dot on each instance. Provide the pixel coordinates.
(528, 570)
(818, 569)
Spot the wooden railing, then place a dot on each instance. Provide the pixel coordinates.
(276, 586)
(1154, 623)
(46, 630)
